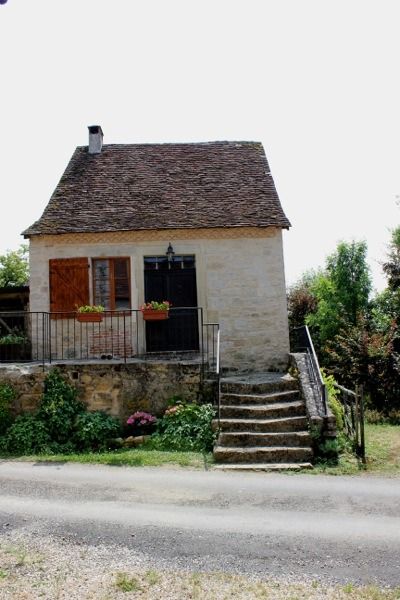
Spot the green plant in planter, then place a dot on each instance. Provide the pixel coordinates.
(90, 308)
(13, 338)
(154, 305)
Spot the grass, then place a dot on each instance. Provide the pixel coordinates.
(126, 584)
(132, 458)
(382, 444)
(382, 448)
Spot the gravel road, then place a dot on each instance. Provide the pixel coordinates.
(297, 528)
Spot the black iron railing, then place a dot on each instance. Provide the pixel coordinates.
(119, 335)
(353, 407)
(301, 341)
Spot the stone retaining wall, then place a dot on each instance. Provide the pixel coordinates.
(118, 389)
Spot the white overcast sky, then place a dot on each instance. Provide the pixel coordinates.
(316, 81)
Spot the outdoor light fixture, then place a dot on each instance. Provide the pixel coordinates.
(170, 253)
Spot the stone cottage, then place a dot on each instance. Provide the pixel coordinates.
(198, 224)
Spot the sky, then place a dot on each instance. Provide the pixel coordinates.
(316, 81)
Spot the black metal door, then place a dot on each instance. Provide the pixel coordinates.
(174, 281)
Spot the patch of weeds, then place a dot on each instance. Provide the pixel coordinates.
(3, 574)
(127, 584)
(152, 577)
(22, 557)
(348, 588)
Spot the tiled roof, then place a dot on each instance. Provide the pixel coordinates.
(163, 186)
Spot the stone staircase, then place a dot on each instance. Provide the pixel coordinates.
(263, 424)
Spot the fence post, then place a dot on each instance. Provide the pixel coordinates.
(362, 433)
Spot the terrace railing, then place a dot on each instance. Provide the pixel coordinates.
(120, 335)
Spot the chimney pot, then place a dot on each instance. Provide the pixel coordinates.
(95, 139)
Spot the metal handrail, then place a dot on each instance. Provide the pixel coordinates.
(218, 377)
(314, 364)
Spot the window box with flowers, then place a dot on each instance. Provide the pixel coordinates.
(155, 311)
(90, 313)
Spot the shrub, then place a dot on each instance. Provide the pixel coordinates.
(27, 435)
(333, 401)
(59, 407)
(185, 427)
(140, 423)
(7, 395)
(93, 430)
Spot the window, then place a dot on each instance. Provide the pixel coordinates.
(69, 285)
(111, 283)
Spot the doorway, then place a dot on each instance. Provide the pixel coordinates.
(175, 281)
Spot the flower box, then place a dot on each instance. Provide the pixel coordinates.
(151, 314)
(89, 317)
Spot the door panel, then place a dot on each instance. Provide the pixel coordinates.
(176, 283)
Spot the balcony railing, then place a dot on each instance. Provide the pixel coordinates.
(120, 336)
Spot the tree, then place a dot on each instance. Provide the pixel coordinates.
(391, 267)
(14, 268)
(301, 300)
(349, 273)
(342, 291)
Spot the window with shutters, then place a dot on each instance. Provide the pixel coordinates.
(111, 283)
(69, 284)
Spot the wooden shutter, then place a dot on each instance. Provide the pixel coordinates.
(69, 284)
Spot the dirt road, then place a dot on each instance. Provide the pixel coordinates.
(333, 529)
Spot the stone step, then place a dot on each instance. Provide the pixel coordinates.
(262, 454)
(263, 411)
(249, 438)
(284, 396)
(262, 425)
(258, 384)
(263, 467)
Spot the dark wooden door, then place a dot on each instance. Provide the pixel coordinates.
(176, 282)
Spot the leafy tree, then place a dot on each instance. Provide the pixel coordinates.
(301, 299)
(349, 273)
(391, 267)
(14, 268)
(342, 291)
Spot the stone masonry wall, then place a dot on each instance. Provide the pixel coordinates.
(240, 282)
(118, 389)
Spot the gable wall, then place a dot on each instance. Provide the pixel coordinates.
(240, 281)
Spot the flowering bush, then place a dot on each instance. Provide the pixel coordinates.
(141, 422)
(185, 427)
(153, 305)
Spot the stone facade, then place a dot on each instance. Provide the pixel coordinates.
(117, 389)
(240, 282)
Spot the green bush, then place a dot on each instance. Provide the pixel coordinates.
(7, 395)
(93, 430)
(185, 427)
(375, 417)
(333, 401)
(27, 435)
(60, 425)
(59, 407)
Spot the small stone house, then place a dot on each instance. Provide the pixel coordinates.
(198, 224)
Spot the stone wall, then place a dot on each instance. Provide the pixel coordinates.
(240, 282)
(118, 389)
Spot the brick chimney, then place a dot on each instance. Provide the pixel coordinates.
(95, 139)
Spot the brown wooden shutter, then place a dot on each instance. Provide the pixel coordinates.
(69, 284)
